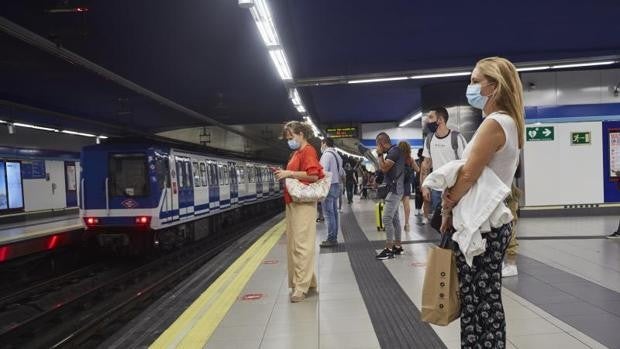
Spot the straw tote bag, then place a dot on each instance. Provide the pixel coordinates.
(316, 191)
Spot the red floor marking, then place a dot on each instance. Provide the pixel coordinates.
(270, 261)
(418, 264)
(252, 296)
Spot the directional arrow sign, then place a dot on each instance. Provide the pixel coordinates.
(539, 133)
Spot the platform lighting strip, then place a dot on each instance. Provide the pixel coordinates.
(413, 118)
(466, 73)
(49, 129)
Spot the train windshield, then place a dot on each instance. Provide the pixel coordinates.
(128, 175)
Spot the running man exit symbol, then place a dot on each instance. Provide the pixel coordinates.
(541, 133)
(578, 138)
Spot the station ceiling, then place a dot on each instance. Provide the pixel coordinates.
(208, 56)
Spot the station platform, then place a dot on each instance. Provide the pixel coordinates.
(567, 293)
(32, 236)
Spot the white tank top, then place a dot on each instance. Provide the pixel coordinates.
(504, 162)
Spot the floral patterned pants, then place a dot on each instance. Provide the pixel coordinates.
(483, 324)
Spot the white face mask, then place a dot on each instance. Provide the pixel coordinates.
(474, 97)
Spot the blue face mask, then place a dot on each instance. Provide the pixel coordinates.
(293, 144)
(474, 97)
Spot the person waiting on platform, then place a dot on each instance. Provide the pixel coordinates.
(392, 167)
(300, 216)
(496, 89)
(410, 167)
(331, 162)
(351, 179)
(416, 185)
(441, 146)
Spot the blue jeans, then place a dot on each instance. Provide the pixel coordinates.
(391, 220)
(330, 211)
(435, 199)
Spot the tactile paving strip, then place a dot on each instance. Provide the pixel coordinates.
(395, 318)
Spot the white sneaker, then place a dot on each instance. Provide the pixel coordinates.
(509, 270)
(424, 220)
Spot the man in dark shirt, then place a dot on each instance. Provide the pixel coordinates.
(392, 167)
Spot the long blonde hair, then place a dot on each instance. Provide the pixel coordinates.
(508, 91)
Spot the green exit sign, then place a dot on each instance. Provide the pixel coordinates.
(579, 138)
(539, 133)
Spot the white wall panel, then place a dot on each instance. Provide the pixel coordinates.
(370, 131)
(39, 194)
(543, 90)
(558, 173)
(579, 87)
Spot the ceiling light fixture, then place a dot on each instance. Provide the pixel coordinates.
(542, 67)
(264, 22)
(78, 133)
(36, 127)
(279, 59)
(579, 65)
(415, 116)
(363, 81)
(440, 75)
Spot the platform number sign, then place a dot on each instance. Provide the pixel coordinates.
(580, 138)
(539, 133)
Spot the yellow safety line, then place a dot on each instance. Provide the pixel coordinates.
(198, 322)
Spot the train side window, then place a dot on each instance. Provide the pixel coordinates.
(188, 172)
(225, 174)
(162, 170)
(215, 175)
(203, 174)
(196, 171)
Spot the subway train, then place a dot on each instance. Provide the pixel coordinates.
(147, 194)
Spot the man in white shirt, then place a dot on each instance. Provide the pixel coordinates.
(441, 146)
(332, 162)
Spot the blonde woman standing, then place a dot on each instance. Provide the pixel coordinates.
(495, 88)
(303, 165)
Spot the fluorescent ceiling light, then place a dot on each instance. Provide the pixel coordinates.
(542, 67)
(36, 127)
(416, 116)
(78, 133)
(264, 23)
(300, 109)
(441, 75)
(103, 137)
(586, 64)
(279, 59)
(362, 81)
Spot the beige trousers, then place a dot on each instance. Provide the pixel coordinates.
(511, 251)
(301, 236)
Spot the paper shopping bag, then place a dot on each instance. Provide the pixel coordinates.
(440, 292)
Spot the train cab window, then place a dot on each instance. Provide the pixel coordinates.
(203, 174)
(180, 174)
(196, 171)
(128, 175)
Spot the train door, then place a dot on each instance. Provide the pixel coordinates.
(186, 186)
(214, 186)
(175, 178)
(234, 184)
(70, 184)
(259, 182)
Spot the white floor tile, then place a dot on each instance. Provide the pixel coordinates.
(557, 340)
